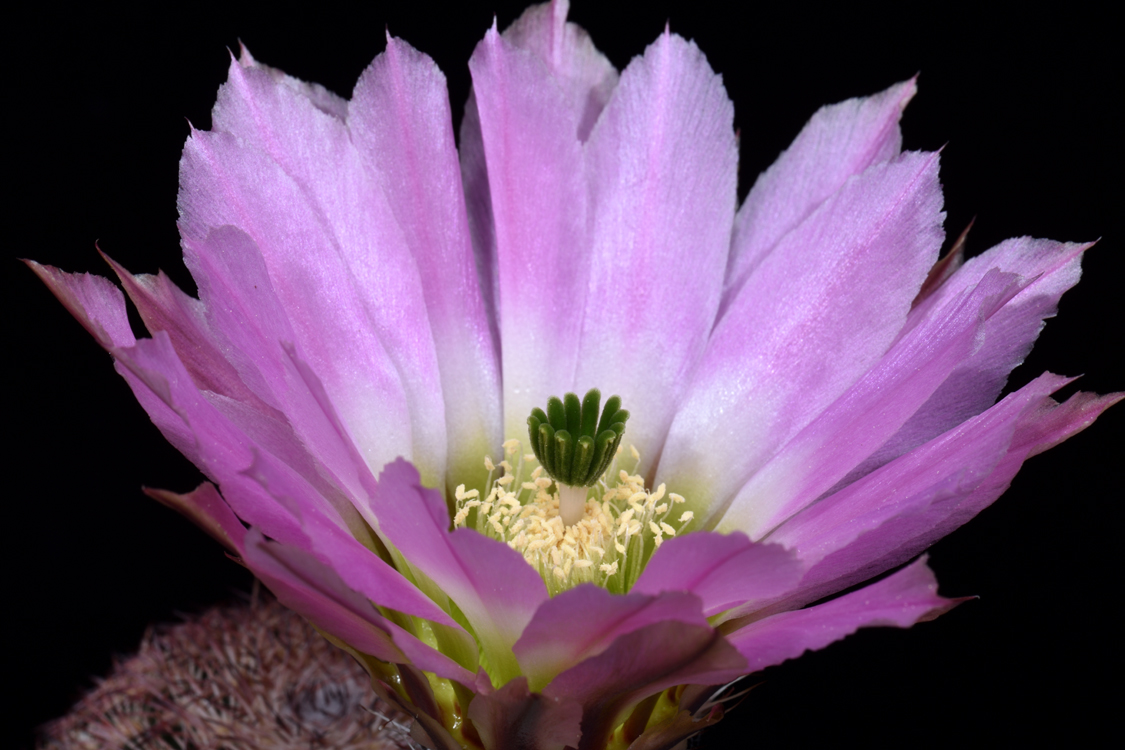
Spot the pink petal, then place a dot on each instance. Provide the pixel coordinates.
(93, 300)
(583, 622)
(870, 411)
(640, 664)
(661, 166)
(400, 121)
(818, 312)
(219, 448)
(205, 507)
(900, 600)
(897, 511)
(337, 547)
(516, 718)
(314, 591)
(250, 324)
(1050, 269)
(584, 79)
(584, 75)
(163, 307)
(491, 583)
(536, 186)
(287, 173)
(723, 570)
(840, 141)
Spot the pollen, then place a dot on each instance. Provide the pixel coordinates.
(622, 524)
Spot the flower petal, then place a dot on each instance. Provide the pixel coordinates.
(870, 411)
(907, 597)
(361, 569)
(661, 165)
(164, 307)
(207, 509)
(584, 75)
(723, 570)
(638, 665)
(537, 193)
(583, 622)
(286, 172)
(1050, 269)
(516, 718)
(840, 141)
(93, 300)
(584, 79)
(315, 591)
(897, 511)
(491, 583)
(818, 312)
(400, 121)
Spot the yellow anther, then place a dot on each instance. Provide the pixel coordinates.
(687, 516)
(677, 498)
(610, 537)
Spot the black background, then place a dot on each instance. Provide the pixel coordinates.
(1029, 105)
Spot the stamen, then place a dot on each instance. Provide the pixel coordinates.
(606, 541)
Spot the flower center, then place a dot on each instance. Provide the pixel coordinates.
(619, 525)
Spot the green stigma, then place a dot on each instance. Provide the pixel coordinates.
(572, 445)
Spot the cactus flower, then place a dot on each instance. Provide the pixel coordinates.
(548, 432)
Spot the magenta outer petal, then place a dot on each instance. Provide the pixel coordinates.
(206, 508)
(164, 307)
(870, 411)
(490, 582)
(315, 591)
(337, 547)
(661, 165)
(840, 141)
(901, 509)
(640, 664)
(900, 600)
(399, 118)
(230, 343)
(583, 622)
(93, 300)
(1050, 269)
(513, 717)
(723, 570)
(816, 315)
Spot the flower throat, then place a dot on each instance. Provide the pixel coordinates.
(554, 507)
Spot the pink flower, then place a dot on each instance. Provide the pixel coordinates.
(810, 391)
